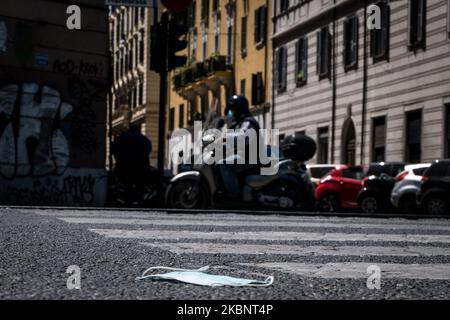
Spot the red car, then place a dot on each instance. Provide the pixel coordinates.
(340, 188)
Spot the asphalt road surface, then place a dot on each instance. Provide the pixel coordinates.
(310, 257)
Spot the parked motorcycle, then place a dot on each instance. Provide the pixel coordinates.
(151, 195)
(289, 189)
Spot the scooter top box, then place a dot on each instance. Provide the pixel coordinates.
(298, 147)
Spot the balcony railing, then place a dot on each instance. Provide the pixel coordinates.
(199, 70)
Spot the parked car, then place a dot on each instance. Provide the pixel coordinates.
(339, 189)
(377, 186)
(407, 184)
(317, 171)
(434, 193)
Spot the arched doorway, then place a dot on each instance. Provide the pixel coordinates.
(349, 142)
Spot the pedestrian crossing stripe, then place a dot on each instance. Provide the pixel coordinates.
(269, 236)
(358, 270)
(233, 223)
(307, 251)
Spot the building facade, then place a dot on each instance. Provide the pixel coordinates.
(366, 90)
(53, 103)
(135, 89)
(228, 53)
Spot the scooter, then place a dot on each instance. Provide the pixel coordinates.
(203, 187)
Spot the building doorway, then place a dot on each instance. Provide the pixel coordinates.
(349, 142)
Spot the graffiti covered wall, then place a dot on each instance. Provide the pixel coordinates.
(53, 105)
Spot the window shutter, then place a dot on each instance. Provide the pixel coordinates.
(373, 44)
(328, 35)
(261, 91)
(277, 68)
(254, 89)
(385, 27)
(421, 21)
(346, 43)
(319, 51)
(297, 58)
(284, 68)
(262, 24)
(244, 35)
(356, 38)
(305, 58)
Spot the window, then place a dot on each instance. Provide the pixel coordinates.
(243, 84)
(192, 15)
(257, 89)
(136, 16)
(181, 116)
(351, 43)
(131, 56)
(260, 26)
(413, 136)
(355, 173)
(301, 71)
(323, 137)
(324, 53)
(142, 14)
(205, 11)
(379, 139)
(284, 5)
(230, 44)
(417, 24)
(172, 119)
(281, 69)
(379, 38)
(215, 6)
(141, 49)
(447, 131)
(244, 36)
(141, 93)
(448, 18)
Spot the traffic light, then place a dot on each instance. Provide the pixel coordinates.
(157, 44)
(177, 28)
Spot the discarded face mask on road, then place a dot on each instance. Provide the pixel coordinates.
(199, 277)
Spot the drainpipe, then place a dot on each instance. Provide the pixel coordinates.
(266, 61)
(333, 108)
(364, 97)
(274, 29)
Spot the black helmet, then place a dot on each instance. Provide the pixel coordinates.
(239, 104)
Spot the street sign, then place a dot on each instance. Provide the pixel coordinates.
(132, 3)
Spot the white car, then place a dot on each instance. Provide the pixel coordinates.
(407, 184)
(317, 171)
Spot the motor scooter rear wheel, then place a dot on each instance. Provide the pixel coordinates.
(188, 195)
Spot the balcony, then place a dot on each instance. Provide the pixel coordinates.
(199, 77)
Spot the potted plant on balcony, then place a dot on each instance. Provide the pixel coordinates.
(188, 75)
(177, 79)
(301, 78)
(199, 70)
(216, 63)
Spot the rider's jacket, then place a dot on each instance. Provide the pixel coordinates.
(245, 137)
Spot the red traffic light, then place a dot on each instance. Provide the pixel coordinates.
(176, 5)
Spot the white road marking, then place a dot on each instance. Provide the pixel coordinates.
(358, 270)
(268, 235)
(223, 248)
(239, 218)
(232, 223)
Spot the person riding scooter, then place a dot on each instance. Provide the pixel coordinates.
(240, 120)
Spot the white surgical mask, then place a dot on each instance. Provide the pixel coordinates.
(198, 277)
